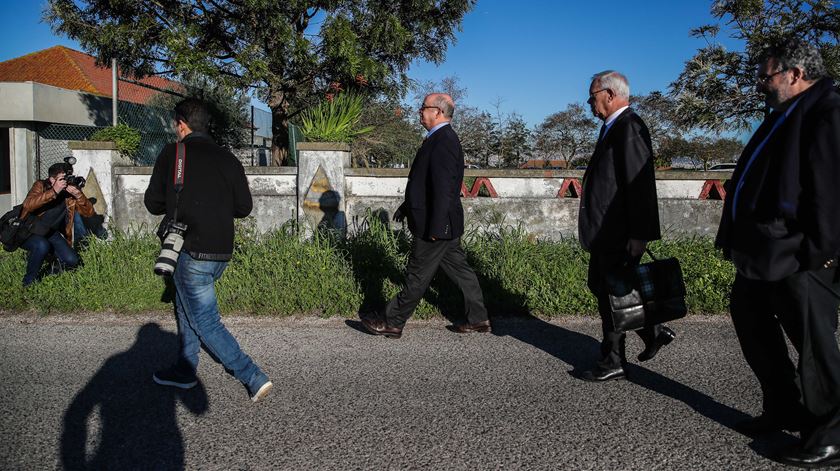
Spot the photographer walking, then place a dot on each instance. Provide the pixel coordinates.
(215, 191)
(57, 206)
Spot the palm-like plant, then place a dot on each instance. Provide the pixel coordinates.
(335, 119)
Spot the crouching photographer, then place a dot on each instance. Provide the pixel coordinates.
(201, 188)
(58, 203)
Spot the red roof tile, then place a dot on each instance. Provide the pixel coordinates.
(63, 67)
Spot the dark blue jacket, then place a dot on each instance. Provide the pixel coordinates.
(432, 195)
(788, 214)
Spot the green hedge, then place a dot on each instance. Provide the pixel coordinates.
(278, 274)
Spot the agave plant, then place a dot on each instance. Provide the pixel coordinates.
(334, 120)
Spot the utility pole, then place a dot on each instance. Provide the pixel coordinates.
(114, 97)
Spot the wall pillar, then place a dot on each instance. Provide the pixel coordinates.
(321, 186)
(96, 161)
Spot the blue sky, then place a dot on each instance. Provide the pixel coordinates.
(535, 56)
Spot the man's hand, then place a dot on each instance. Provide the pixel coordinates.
(74, 192)
(636, 247)
(59, 186)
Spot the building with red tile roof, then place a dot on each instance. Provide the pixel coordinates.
(66, 68)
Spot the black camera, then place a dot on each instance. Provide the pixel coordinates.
(75, 180)
(72, 180)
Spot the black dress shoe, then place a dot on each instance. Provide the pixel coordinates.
(378, 327)
(483, 326)
(665, 337)
(816, 457)
(767, 424)
(602, 374)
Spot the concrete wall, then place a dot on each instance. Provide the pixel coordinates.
(273, 189)
(526, 199)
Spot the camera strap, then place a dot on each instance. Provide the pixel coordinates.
(178, 174)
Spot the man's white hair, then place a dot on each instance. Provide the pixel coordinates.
(614, 81)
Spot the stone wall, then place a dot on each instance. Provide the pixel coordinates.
(323, 190)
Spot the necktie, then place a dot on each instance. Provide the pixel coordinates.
(603, 130)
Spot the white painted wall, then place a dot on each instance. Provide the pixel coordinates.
(29, 101)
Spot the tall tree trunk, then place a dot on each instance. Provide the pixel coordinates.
(279, 128)
(280, 138)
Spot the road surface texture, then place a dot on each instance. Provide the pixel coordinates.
(77, 391)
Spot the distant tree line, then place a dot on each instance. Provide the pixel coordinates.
(491, 138)
(293, 55)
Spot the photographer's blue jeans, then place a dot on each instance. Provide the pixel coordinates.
(79, 229)
(38, 248)
(199, 321)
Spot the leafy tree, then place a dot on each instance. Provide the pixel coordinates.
(479, 133)
(395, 137)
(659, 113)
(569, 134)
(716, 89)
(290, 52)
(450, 85)
(702, 150)
(229, 108)
(515, 143)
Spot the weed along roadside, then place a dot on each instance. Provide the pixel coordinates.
(278, 274)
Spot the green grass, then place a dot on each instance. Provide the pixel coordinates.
(277, 274)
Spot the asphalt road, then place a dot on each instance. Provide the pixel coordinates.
(77, 392)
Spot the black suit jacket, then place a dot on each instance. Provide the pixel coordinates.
(787, 217)
(619, 188)
(432, 195)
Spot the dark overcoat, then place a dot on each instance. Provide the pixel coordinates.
(787, 216)
(432, 195)
(619, 188)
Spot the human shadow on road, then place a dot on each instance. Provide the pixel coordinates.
(579, 351)
(137, 427)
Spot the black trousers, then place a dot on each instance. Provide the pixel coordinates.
(426, 256)
(804, 306)
(602, 266)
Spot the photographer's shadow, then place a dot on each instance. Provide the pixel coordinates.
(137, 425)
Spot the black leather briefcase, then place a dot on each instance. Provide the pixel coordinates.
(647, 294)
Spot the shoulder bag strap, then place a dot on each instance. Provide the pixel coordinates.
(178, 174)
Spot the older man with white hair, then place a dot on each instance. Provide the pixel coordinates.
(618, 214)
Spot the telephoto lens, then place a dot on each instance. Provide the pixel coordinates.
(170, 249)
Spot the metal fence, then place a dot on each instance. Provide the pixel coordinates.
(155, 127)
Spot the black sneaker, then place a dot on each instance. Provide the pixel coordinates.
(171, 377)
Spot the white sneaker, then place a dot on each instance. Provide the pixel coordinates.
(262, 392)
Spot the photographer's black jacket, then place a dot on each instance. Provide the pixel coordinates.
(215, 192)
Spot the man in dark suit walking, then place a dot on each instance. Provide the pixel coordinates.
(436, 220)
(781, 228)
(618, 214)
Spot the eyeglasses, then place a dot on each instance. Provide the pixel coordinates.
(764, 78)
(592, 94)
(425, 107)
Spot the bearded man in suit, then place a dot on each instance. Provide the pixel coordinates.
(781, 229)
(618, 214)
(436, 220)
